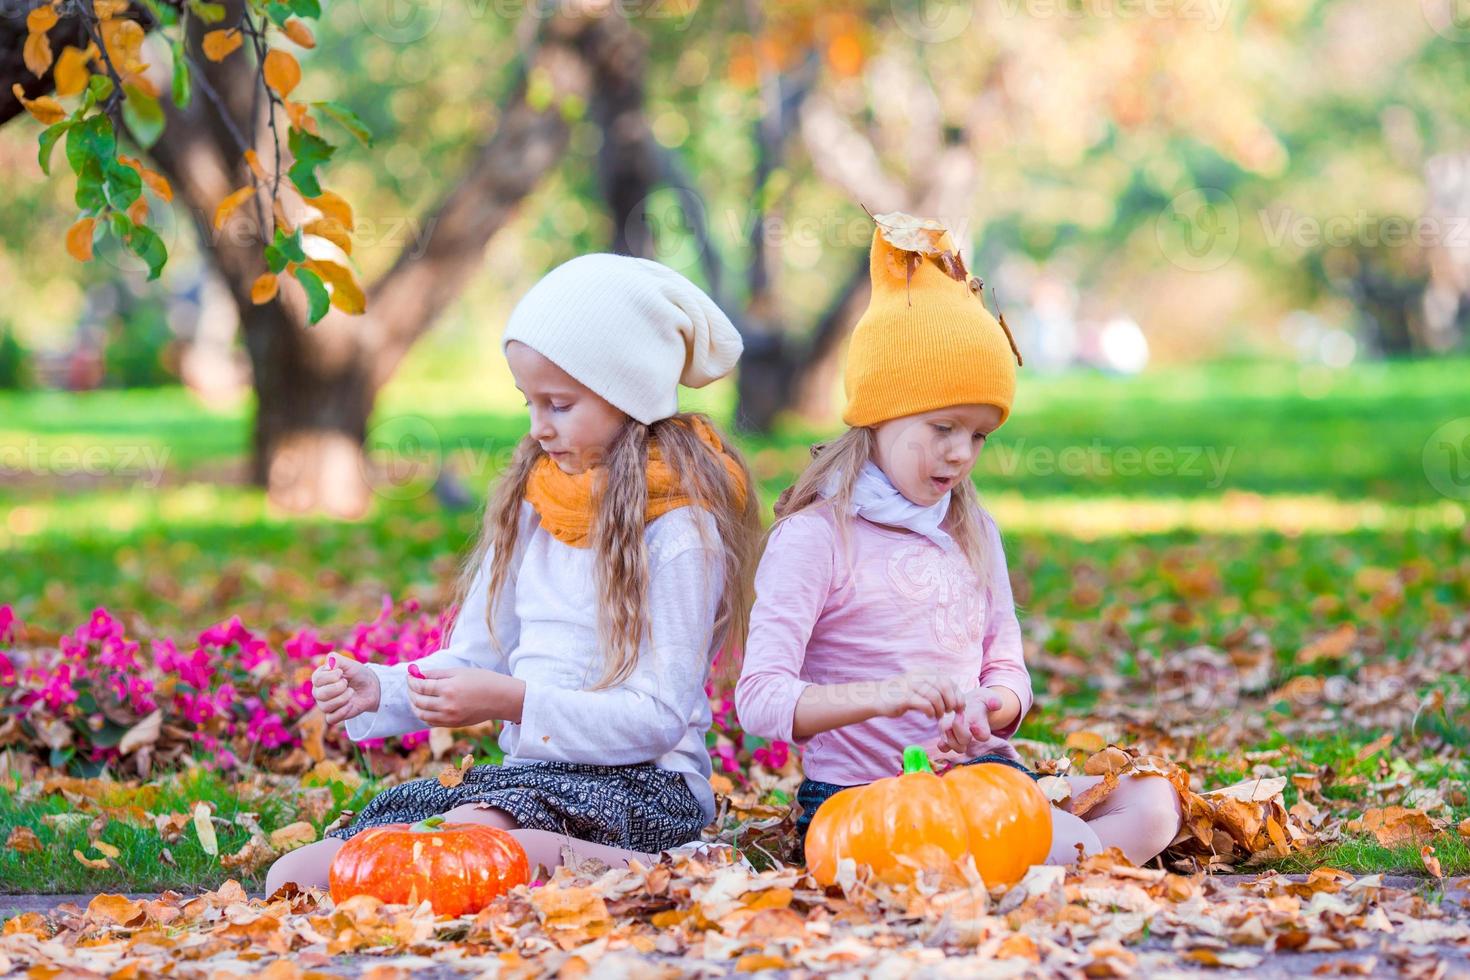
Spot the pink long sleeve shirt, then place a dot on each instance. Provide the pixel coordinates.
(903, 604)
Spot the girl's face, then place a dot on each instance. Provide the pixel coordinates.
(928, 454)
(574, 425)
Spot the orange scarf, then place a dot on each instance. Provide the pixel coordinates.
(564, 500)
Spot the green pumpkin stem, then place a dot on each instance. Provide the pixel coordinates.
(429, 824)
(915, 759)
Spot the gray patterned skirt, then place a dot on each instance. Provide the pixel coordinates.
(640, 807)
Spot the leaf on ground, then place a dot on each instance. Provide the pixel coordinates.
(1396, 825)
(204, 828)
(23, 840)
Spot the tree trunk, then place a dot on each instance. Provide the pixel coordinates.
(316, 385)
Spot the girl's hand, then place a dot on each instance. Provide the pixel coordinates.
(344, 688)
(463, 696)
(930, 693)
(966, 730)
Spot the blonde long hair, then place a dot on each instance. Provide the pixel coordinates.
(844, 458)
(619, 548)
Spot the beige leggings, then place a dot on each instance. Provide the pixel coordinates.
(307, 866)
(1142, 817)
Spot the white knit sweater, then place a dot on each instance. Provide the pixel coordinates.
(546, 622)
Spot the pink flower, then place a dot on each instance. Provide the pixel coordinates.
(7, 623)
(726, 755)
(773, 756)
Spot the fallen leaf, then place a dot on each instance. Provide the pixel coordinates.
(23, 840)
(452, 776)
(99, 863)
(292, 835)
(1089, 742)
(1396, 825)
(204, 827)
(145, 732)
(1431, 863)
(115, 909)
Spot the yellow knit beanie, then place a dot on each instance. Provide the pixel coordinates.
(926, 340)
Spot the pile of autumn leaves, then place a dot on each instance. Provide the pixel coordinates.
(708, 915)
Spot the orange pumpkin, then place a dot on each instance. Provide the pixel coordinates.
(920, 820)
(458, 867)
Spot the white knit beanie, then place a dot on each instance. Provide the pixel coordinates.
(630, 329)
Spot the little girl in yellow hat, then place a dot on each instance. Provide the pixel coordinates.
(883, 613)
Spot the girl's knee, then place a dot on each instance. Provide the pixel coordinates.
(1067, 833)
(475, 813)
(1155, 809)
(308, 866)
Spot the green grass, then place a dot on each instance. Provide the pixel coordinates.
(141, 865)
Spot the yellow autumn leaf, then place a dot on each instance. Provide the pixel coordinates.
(106, 849)
(204, 828)
(299, 32)
(299, 115)
(282, 72)
(42, 19)
(331, 231)
(228, 205)
(124, 42)
(293, 835)
(79, 240)
(156, 181)
(23, 840)
(71, 70)
(98, 863)
(44, 109)
(332, 205)
(219, 44)
(108, 9)
(1089, 742)
(263, 290)
(253, 159)
(37, 52)
(114, 909)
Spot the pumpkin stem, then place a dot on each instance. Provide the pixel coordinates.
(429, 824)
(915, 759)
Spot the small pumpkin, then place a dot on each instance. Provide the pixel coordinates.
(458, 867)
(920, 820)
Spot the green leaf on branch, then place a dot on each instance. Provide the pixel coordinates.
(210, 13)
(146, 245)
(90, 197)
(121, 184)
(284, 249)
(348, 119)
(91, 139)
(166, 15)
(143, 115)
(278, 13)
(182, 83)
(316, 293)
(48, 143)
(99, 89)
(305, 8)
(310, 152)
